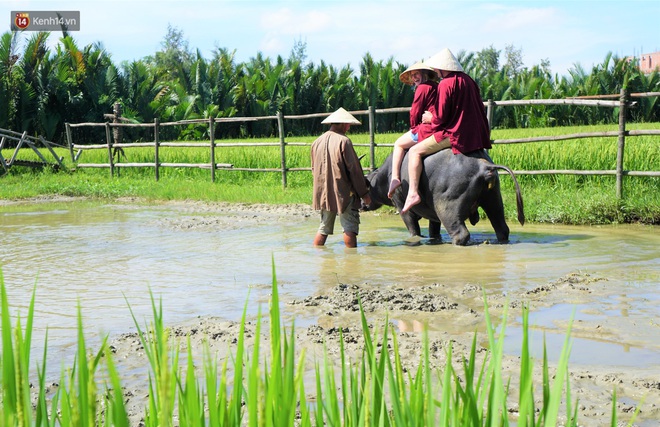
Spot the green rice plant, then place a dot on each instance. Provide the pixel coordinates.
(78, 392)
(526, 405)
(594, 153)
(550, 410)
(164, 362)
(362, 400)
(473, 394)
(255, 386)
(230, 410)
(376, 390)
(496, 394)
(552, 396)
(16, 405)
(408, 404)
(42, 417)
(191, 396)
(218, 402)
(478, 397)
(116, 414)
(283, 381)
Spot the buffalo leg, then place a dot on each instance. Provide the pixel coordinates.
(454, 224)
(434, 231)
(458, 232)
(410, 219)
(452, 214)
(491, 203)
(412, 223)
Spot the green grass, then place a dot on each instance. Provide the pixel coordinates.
(266, 387)
(548, 198)
(596, 153)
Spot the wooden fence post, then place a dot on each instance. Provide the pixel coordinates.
(280, 126)
(211, 134)
(2, 159)
(489, 112)
(69, 141)
(117, 132)
(108, 138)
(372, 138)
(623, 101)
(156, 145)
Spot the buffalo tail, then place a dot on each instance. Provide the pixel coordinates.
(519, 200)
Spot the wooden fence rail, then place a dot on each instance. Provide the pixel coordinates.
(111, 146)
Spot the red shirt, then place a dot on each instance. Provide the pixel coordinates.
(461, 116)
(426, 97)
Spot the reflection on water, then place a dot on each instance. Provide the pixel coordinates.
(592, 350)
(101, 256)
(583, 351)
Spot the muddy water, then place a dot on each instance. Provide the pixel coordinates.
(103, 257)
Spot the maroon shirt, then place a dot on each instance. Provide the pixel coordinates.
(461, 116)
(426, 97)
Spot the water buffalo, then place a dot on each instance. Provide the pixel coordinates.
(452, 187)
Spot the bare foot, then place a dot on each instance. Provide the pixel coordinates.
(393, 186)
(411, 200)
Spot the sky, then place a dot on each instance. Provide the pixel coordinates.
(340, 32)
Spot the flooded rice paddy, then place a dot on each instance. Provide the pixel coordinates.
(102, 257)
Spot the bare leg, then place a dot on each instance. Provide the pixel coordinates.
(414, 173)
(395, 182)
(415, 156)
(404, 142)
(350, 239)
(319, 239)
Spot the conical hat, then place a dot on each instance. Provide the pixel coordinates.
(406, 76)
(341, 116)
(444, 60)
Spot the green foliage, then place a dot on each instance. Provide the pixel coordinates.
(42, 89)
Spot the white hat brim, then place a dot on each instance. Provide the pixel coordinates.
(405, 77)
(444, 60)
(341, 116)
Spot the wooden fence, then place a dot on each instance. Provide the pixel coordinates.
(23, 141)
(623, 103)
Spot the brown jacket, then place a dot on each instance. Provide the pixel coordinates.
(337, 173)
